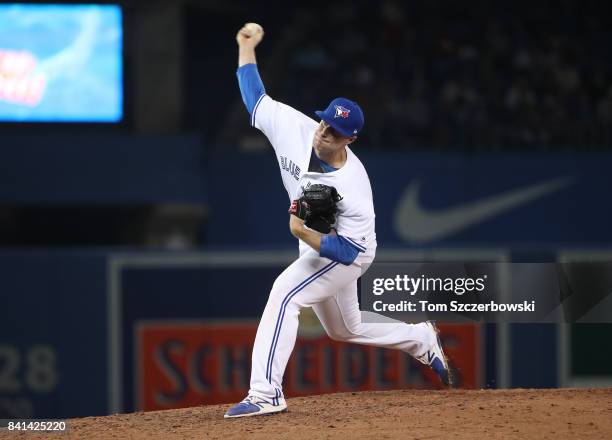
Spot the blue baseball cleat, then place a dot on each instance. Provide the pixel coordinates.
(255, 406)
(435, 358)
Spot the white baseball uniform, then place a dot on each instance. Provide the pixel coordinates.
(327, 286)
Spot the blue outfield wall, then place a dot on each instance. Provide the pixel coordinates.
(421, 199)
(434, 200)
(53, 334)
(111, 169)
(69, 323)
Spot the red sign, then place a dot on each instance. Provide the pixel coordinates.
(187, 364)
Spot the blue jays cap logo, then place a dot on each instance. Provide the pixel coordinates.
(341, 112)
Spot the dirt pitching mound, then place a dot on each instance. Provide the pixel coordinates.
(407, 414)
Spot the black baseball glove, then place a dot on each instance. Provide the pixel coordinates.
(317, 207)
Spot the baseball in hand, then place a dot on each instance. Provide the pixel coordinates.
(253, 29)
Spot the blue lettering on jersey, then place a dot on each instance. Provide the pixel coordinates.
(290, 167)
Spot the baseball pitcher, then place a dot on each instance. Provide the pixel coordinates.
(332, 216)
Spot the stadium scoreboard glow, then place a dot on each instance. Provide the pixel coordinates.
(61, 63)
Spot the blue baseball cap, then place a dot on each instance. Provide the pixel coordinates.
(344, 115)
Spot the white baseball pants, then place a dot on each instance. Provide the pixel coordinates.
(330, 288)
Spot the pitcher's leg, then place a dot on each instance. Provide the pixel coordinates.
(309, 280)
(341, 318)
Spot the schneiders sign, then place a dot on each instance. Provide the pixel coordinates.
(487, 292)
(182, 363)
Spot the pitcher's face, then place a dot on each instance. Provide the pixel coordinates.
(328, 140)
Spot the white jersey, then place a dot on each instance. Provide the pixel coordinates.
(291, 134)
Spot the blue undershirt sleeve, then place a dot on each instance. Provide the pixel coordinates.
(338, 248)
(251, 86)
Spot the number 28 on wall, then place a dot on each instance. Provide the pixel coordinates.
(34, 367)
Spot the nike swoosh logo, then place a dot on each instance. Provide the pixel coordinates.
(415, 224)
